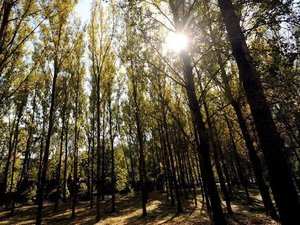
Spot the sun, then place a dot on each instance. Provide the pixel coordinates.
(176, 41)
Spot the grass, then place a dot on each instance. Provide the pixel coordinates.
(129, 212)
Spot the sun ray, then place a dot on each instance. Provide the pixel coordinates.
(176, 41)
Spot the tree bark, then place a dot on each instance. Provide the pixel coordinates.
(98, 213)
(113, 175)
(173, 174)
(281, 180)
(256, 163)
(66, 161)
(140, 139)
(92, 160)
(76, 136)
(41, 187)
(204, 151)
(58, 169)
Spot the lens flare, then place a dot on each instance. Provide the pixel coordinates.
(176, 41)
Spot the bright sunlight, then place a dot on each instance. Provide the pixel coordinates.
(176, 41)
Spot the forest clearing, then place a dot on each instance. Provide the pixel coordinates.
(150, 112)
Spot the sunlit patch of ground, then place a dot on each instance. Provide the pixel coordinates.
(129, 212)
(159, 212)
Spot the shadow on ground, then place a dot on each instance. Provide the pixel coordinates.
(129, 212)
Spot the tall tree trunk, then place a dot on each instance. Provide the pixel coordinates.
(191, 171)
(58, 169)
(76, 136)
(216, 156)
(102, 155)
(92, 160)
(113, 175)
(167, 164)
(173, 169)
(213, 137)
(40, 192)
(130, 151)
(142, 164)
(7, 9)
(203, 146)
(238, 161)
(66, 159)
(204, 151)
(41, 152)
(281, 180)
(179, 159)
(13, 164)
(98, 213)
(256, 163)
(15, 148)
(24, 170)
(14, 131)
(254, 159)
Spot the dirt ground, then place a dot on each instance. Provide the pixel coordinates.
(129, 212)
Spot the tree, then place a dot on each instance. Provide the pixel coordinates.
(100, 46)
(58, 25)
(281, 181)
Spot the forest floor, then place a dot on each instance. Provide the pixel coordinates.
(129, 212)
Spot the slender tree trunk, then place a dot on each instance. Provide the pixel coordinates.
(7, 9)
(256, 163)
(13, 166)
(209, 180)
(11, 142)
(130, 150)
(15, 148)
(281, 180)
(76, 136)
(142, 164)
(167, 164)
(58, 169)
(102, 180)
(92, 160)
(88, 178)
(24, 170)
(66, 161)
(238, 161)
(179, 159)
(254, 159)
(191, 168)
(40, 192)
(173, 174)
(98, 213)
(75, 171)
(41, 154)
(113, 176)
(218, 165)
(203, 146)
(216, 156)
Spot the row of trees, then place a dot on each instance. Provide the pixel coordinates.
(90, 110)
